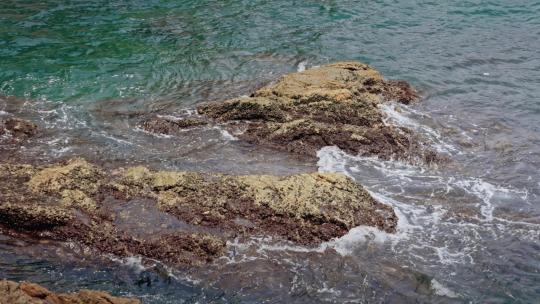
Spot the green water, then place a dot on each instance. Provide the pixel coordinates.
(83, 51)
(83, 67)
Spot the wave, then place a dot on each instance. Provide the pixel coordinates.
(443, 218)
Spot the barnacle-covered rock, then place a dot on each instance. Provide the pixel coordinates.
(332, 105)
(30, 293)
(84, 203)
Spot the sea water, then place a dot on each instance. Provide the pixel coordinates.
(468, 231)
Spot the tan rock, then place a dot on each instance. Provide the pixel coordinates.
(325, 197)
(73, 200)
(29, 293)
(168, 126)
(333, 105)
(76, 174)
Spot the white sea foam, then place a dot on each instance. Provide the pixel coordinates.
(328, 290)
(170, 117)
(397, 117)
(485, 191)
(428, 230)
(140, 264)
(133, 262)
(331, 159)
(442, 290)
(225, 134)
(301, 66)
(61, 151)
(59, 145)
(61, 117)
(489, 194)
(118, 140)
(158, 135)
(56, 140)
(357, 236)
(264, 244)
(191, 112)
(400, 118)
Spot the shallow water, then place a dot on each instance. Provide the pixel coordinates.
(468, 231)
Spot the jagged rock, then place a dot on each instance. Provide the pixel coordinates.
(29, 293)
(333, 105)
(76, 200)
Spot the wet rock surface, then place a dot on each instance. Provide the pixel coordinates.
(168, 126)
(333, 105)
(78, 202)
(18, 128)
(15, 132)
(66, 203)
(29, 293)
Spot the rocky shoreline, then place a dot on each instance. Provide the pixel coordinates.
(187, 218)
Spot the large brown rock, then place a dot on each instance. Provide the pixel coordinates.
(68, 202)
(179, 217)
(29, 293)
(333, 105)
(305, 208)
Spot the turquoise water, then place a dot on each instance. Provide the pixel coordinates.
(83, 69)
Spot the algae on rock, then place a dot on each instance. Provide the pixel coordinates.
(323, 197)
(332, 105)
(30, 293)
(18, 128)
(66, 202)
(75, 201)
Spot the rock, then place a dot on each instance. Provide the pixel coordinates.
(304, 208)
(77, 174)
(160, 125)
(333, 105)
(29, 293)
(14, 132)
(21, 215)
(75, 201)
(65, 202)
(22, 209)
(320, 197)
(18, 128)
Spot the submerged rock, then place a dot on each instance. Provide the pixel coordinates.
(18, 128)
(76, 201)
(333, 105)
(14, 134)
(29, 293)
(168, 126)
